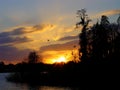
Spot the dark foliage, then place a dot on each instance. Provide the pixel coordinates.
(33, 57)
(99, 44)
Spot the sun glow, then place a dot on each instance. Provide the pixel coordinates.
(51, 57)
(60, 59)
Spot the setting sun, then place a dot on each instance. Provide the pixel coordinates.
(60, 59)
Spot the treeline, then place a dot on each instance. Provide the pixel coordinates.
(35, 67)
(23, 67)
(99, 44)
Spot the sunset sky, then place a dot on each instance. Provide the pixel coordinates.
(46, 26)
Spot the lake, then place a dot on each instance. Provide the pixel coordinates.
(4, 85)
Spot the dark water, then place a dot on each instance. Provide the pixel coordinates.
(4, 85)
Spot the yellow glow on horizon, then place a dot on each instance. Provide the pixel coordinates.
(65, 56)
(60, 59)
(51, 57)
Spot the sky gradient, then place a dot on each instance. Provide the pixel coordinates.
(46, 26)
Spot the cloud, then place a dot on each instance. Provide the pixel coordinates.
(20, 34)
(9, 37)
(4, 34)
(107, 13)
(18, 31)
(10, 54)
(15, 40)
(43, 26)
(59, 47)
(27, 29)
(68, 38)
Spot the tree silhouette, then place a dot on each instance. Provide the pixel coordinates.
(2, 66)
(104, 20)
(99, 40)
(118, 20)
(84, 22)
(99, 43)
(33, 57)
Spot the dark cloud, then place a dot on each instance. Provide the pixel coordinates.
(18, 31)
(25, 30)
(14, 40)
(8, 37)
(41, 27)
(59, 47)
(38, 27)
(4, 34)
(68, 38)
(11, 54)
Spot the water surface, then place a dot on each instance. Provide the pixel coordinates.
(5, 85)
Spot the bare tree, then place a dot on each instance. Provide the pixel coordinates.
(84, 22)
